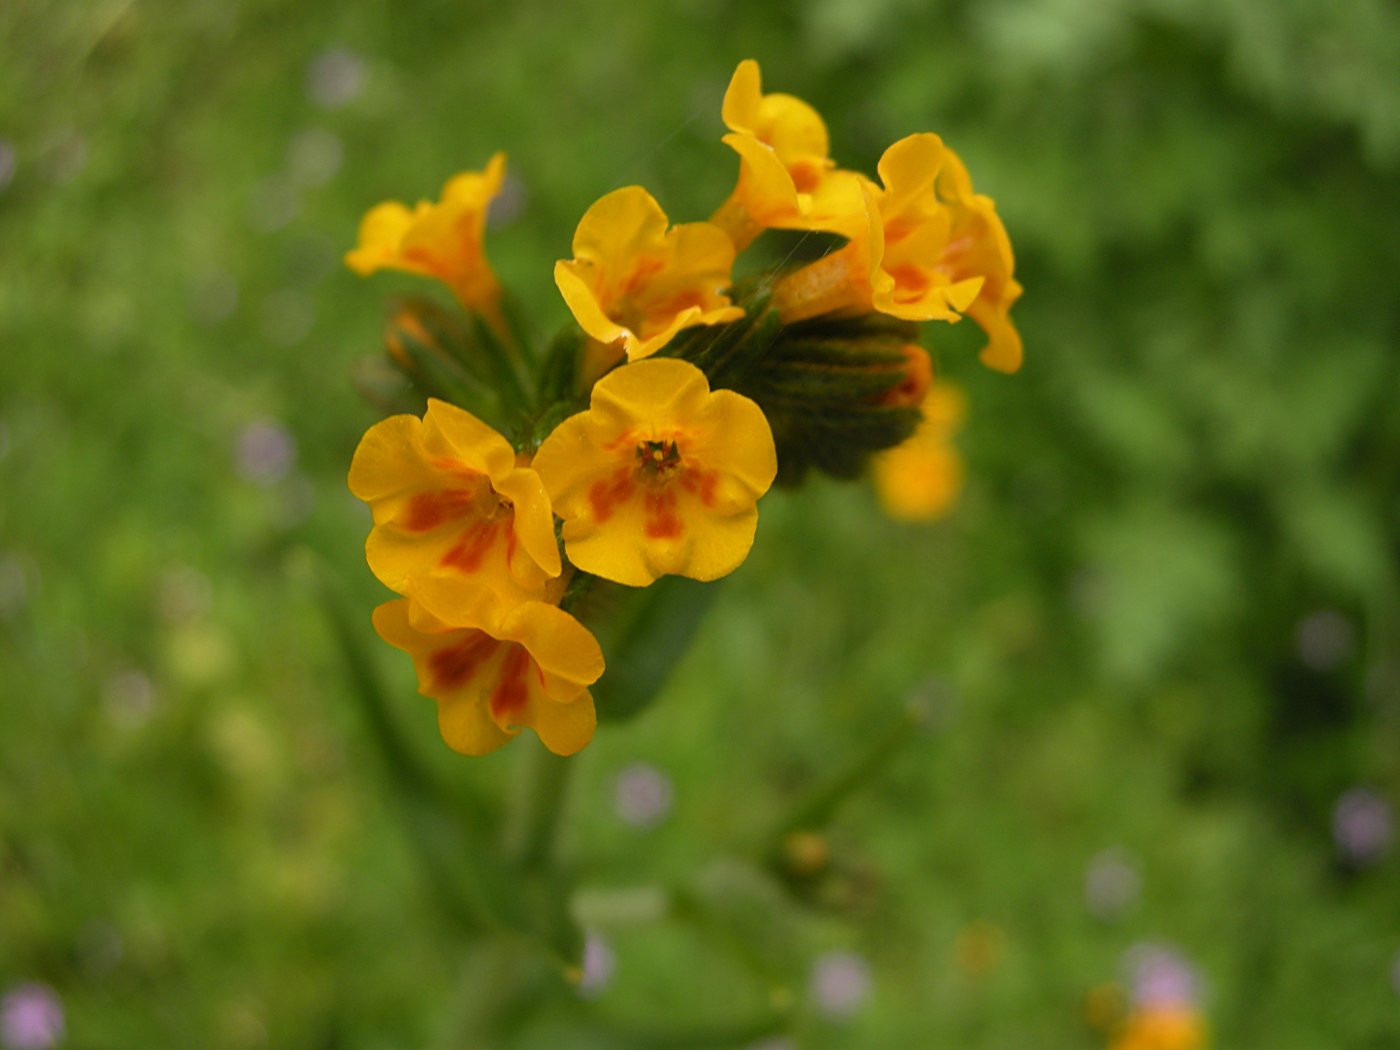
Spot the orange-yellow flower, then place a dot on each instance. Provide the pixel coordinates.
(786, 177)
(442, 240)
(979, 247)
(660, 476)
(894, 263)
(634, 283)
(449, 496)
(495, 667)
(920, 480)
(918, 378)
(1162, 1028)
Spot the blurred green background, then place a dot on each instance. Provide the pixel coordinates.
(1160, 637)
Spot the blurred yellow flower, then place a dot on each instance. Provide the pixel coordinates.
(442, 240)
(449, 495)
(1173, 1027)
(634, 283)
(920, 480)
(660, 476)
(786, 178)
(494, 667)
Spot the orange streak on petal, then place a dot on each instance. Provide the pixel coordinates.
(453, 667)
(606, 494)
(702, 482)
(662, 522)
(428, 510)
(510, 693)
(471, 548)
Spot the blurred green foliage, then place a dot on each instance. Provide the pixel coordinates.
(1165, 619)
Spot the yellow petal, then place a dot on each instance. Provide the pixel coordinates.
(618, 228)
(572, 280)
(739, 110)
(455, 434)
(381, 230)
(909, 169)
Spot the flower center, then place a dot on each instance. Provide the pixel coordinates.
(657, 461)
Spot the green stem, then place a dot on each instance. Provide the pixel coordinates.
(817, 808)
(537, 813)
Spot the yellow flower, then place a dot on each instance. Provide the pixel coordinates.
(786, 177)
(1162, 1028)
(920, 479)
(978, 246)
(495, 667)
(442, 240)
(659, 475)
(449, 496)
(894, 262)
(633, 282)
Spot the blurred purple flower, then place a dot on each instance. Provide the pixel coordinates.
(643, 795)
(7, 163)
(17, 584)
(1160, 977)
(1325, 639)
(129, 698)
(273, 203)
(1111, 884)
(1361, 826)
(31, 1017)
(599, 963)
(840, 983)
(185, 595)
(336, 77)
(314, 156)
(508, 204)
(265, 452)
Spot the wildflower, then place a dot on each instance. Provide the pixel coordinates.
(449, 495)
(659, 476)
(1325, 639)
(894, 261)
(31, 1017)
(930, 249)
(494, 667)
(1164, 1015)
(1161, 1028)
(599, 965)
(840, 983)
(442, 240)
(1111, 884)
(634, 283)
(920, 479)
(786, 176)
(642, 795)
(979, 247)
(1361, 827)
(1161, 977)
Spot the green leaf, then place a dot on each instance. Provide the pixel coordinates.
(644, 633)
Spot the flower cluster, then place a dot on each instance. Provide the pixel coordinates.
(651, 429)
